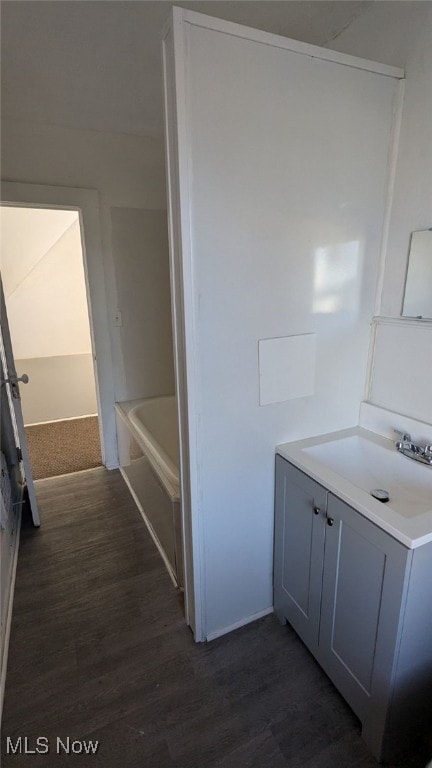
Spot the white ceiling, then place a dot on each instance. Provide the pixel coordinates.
(97, 64)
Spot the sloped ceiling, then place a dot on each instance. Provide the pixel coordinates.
(97, 64)
(42, 268)
(26, 236)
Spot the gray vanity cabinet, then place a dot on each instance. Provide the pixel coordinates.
(362, 591)
(344, 584)
(299, 550)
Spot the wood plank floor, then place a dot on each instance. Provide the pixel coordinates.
(99, 650)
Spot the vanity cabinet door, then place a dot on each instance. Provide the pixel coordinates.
(363, 583)
(299, 549)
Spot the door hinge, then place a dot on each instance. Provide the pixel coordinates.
(19, 453)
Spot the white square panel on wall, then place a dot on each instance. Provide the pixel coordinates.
(286, 367)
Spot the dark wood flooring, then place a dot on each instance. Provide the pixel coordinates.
(99, 650)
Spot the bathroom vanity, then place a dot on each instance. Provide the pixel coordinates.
(353, 575)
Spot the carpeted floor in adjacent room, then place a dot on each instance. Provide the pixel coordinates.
(61, 447)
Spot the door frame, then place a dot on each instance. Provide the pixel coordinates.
(86, 203)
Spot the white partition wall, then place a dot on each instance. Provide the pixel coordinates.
(278, 167)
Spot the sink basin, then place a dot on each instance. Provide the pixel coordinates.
(374, 463)
(353, 462)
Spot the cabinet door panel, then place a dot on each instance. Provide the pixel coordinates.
(363, 581)
(356, 606)
(299, 546)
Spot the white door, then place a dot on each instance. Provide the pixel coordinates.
(10, 381)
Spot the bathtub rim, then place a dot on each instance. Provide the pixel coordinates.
(149, 440)
(171, 484)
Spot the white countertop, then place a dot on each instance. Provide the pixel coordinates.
(354, 461)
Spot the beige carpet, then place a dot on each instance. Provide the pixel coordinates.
(61, 447)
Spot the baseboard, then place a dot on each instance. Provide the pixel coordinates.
(65, 418)
(10, 597)
(247, 620)
(69, 474)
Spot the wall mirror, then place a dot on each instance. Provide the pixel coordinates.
(418, 284)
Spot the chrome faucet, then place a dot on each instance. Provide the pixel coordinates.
(412, 450)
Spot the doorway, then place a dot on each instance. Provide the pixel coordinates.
(46, 299)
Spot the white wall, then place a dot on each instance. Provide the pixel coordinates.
(287, 168)
(47, 308)
(140, 248)
(128, 172)
(402, 348)
(401, 33)
(26, 235)
(60, 387)
(47, 312)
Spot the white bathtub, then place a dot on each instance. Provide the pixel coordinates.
(155, 420)
(149, 460)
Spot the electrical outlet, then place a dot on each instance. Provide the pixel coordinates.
(117, 320)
